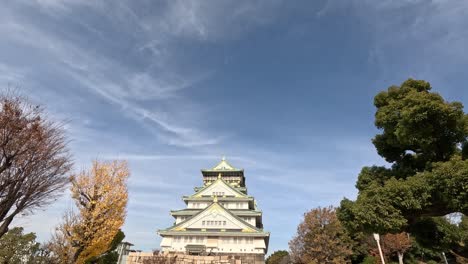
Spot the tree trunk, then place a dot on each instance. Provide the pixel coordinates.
(4, 226)
(400, 257)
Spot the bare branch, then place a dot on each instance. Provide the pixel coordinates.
(34, 158)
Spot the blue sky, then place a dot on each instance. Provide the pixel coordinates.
(284, 89)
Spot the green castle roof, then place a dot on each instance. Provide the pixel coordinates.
(223, 166)
(236, 212)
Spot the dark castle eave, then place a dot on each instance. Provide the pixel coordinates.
(227, 173)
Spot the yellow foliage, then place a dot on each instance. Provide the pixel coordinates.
(60, 243)
(101, 198)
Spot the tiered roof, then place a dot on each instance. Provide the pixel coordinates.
(219, 183)
(222, 183)
(191, 212)
(192, 225)
(223, 167)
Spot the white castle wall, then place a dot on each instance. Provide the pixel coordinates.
(218, 244)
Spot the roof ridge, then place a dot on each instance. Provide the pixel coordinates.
(240, 219)
(217, 180)
(223, 165)
(206, 208)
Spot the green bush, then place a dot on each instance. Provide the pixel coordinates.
(369, 260)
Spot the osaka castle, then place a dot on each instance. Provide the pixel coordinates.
(220, 218)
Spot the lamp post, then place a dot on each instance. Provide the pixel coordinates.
(445, 258)
(377, 239)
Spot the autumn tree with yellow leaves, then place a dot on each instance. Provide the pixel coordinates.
(100, 196)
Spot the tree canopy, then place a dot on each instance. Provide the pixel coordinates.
(19, 248)
(34, 158)
(395, 244)
(320, 238)
(278, 257)
(111, 256)
(101, 196)
(424, 138)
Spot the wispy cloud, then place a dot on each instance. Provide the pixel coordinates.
(161, 157)
(215, 20)
(10, 75)
(409, 35)
(148, 91)
(121, 86)
(428, 31)
(141, 80)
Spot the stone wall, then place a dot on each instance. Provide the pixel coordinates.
(139, 258)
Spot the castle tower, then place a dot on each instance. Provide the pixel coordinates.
(220, 218)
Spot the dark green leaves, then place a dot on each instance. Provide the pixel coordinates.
(424, 138)
(418, 122)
